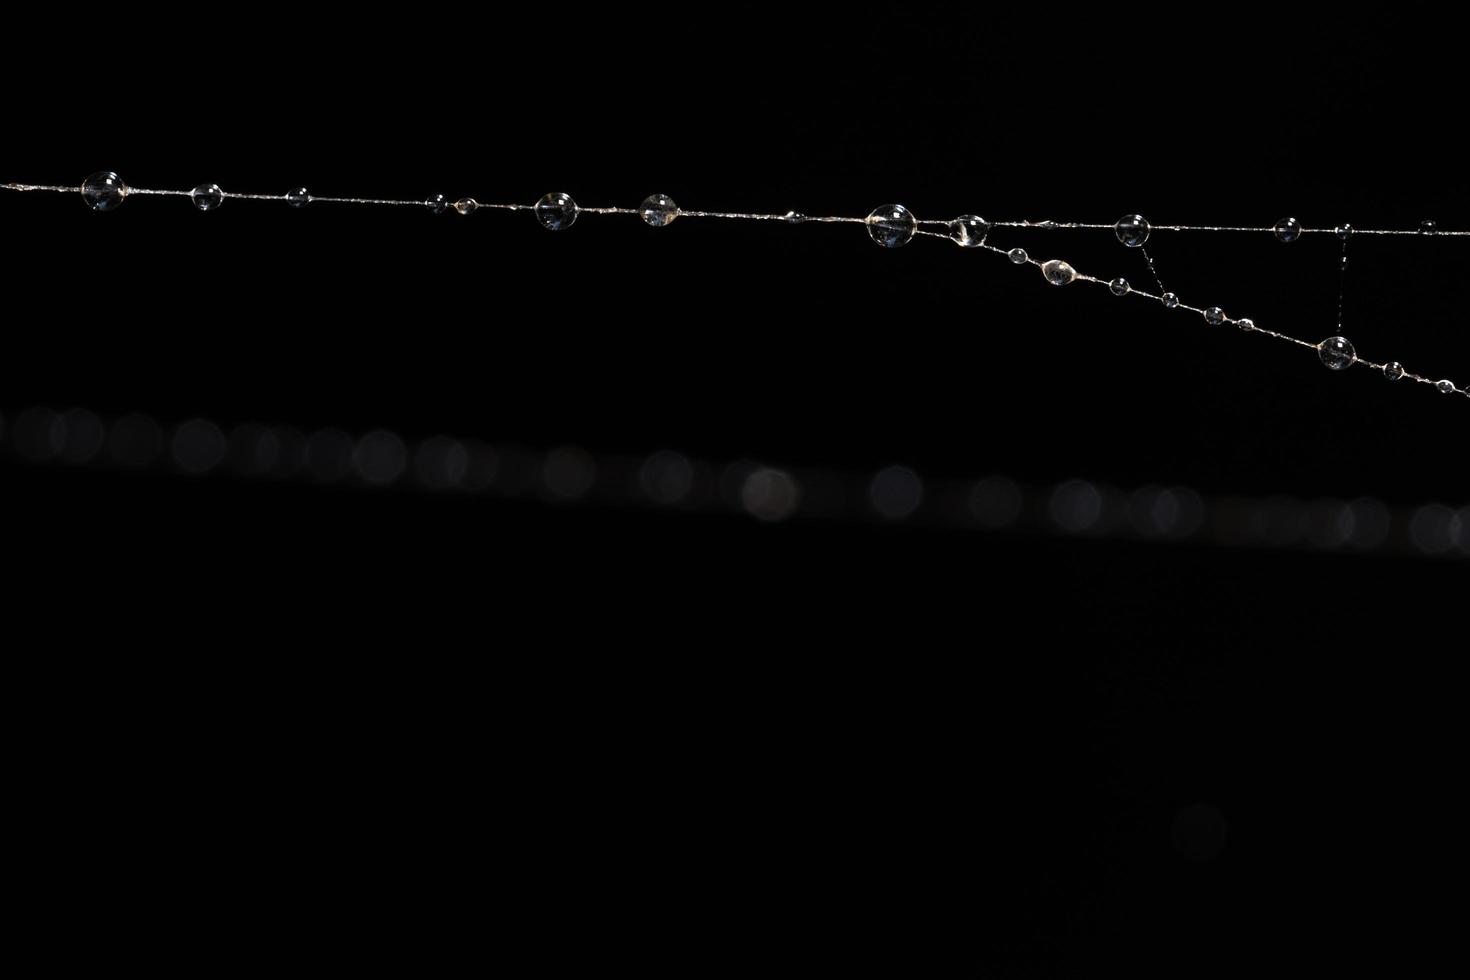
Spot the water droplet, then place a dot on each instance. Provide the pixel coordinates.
(1393, 370)
(1119, 286)
(437, 204)
(1214, 316)
(1246, 324)
(104, 191)
(1343, 231)
(1170, 300)
(1132, 230)
(1057, 272)
(1018, 256)
(794, 217)
(891, 225)
(1337, 353)
(207, 197)
(658, 210)
(1288, 229)
(298, 197)
(466, 205)
(1428, 226)
(969, 230)
(556, 212)
(1446, 387)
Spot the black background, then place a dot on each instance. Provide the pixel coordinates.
(254, 723)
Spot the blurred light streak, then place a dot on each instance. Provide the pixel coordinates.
(382, 458)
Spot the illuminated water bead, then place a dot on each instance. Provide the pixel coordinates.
(1446, 387)
(969, 230)
(437, 204)
(1018, 256)
(1170, 300)
(1343, 231)
(1246, 324)
(298, 197)
(1214, 316)
(891, 225)
(207, 197)
(794, 217)
(1057, 272)
(1119, 286)
(1393, 370)
(467, 205)
(556, 212)
(1428, 226)
(1337, 353)
(658, 210)
(1288, 229)
(1132, 230)
(104, 191)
